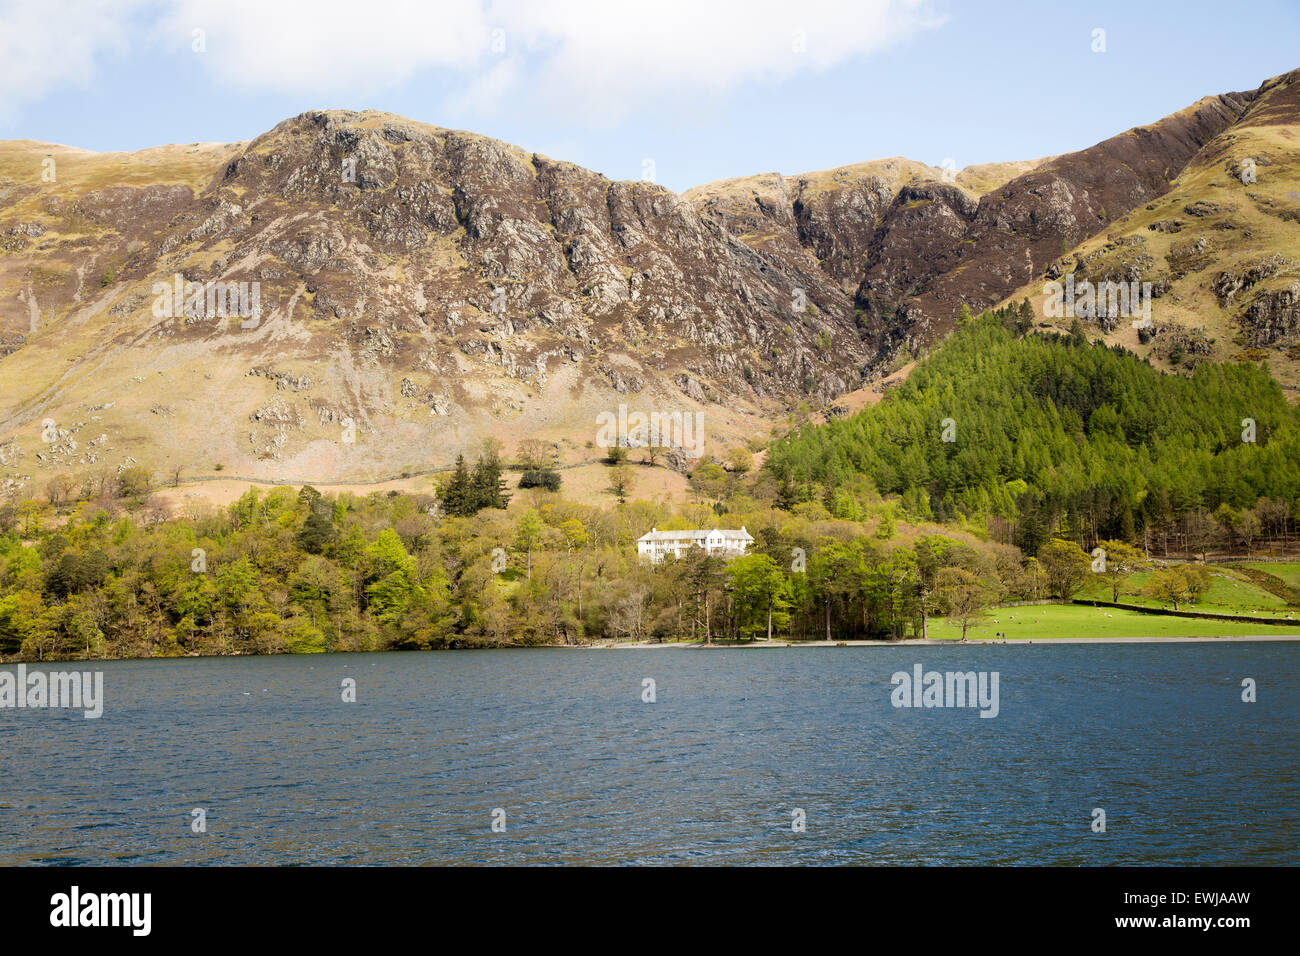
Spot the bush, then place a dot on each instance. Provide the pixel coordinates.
(547, 478)
(135, 482)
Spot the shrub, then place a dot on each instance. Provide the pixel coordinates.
(547, 478)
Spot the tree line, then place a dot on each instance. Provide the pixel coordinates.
(300, 571)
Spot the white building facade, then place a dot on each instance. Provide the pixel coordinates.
(655, 545)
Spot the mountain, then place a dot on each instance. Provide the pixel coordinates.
(914, 245)
(1220, 248)
(457, 287)
(422, 288)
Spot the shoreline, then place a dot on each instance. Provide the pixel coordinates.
(932, 642)
(699, 645)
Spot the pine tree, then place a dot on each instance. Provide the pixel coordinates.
(456, 498)
(1024, 317)
(317, 533)
(487, 487)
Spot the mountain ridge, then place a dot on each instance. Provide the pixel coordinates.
(434, 287)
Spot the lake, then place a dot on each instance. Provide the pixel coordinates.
(712, 772)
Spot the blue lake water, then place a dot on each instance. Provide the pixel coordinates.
(711, 772)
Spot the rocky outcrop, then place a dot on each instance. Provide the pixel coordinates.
(1244, 276)
(1273, 316)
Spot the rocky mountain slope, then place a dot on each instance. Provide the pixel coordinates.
(912, 244)
(1220, 249)
(419, 288)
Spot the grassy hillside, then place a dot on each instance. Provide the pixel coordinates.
(1228, 593)
(1074, 621)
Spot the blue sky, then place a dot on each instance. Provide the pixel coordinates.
(706, 90)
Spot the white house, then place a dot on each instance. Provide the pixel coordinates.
(656, 544)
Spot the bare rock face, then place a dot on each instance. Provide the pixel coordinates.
(417, 281)
(1273, 316)
(920, 237)
(538, 252)
(837, 225)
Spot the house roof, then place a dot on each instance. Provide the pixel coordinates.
(696, 534)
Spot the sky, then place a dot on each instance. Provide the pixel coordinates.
(681, 92)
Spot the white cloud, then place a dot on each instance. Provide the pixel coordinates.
(601, 58)
(683, 50)
(43, 49)
(329, 47)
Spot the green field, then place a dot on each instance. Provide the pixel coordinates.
(1048, 621)
(1228, 593)
(1286, 571)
